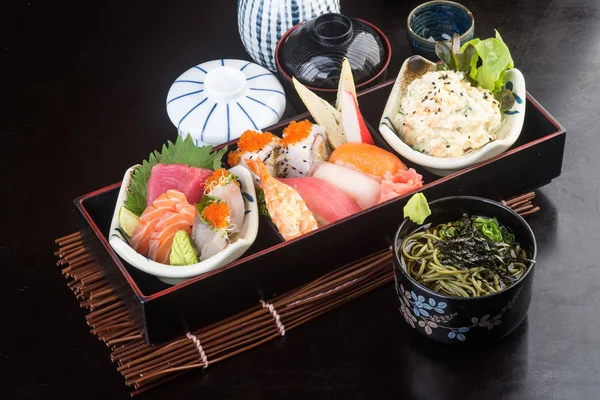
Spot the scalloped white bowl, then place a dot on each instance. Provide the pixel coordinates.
(177, 274)
(506, 135)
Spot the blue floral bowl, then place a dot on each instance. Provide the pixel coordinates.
(456, 320)
(438, 20)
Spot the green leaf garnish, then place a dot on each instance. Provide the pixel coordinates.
(489, 227)
(506, 99)
(183, 151)
(417, 209)
(204, 202)
(183, 251)
(484, 62)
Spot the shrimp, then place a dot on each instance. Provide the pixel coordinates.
(287, 209)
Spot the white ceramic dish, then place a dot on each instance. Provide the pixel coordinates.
(507, 134)
(218, 100)
(177, 274)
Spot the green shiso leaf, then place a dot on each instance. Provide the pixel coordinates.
(183, 251)
(417, 209)
(183, 151)
(204, 202)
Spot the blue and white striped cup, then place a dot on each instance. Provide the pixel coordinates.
(261, 23)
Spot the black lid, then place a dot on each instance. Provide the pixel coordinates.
(313, 51)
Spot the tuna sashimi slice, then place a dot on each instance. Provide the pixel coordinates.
(188, 180)
(326, 202)
(162, 178)
(193, 184)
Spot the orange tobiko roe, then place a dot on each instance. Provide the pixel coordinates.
(218, 177)
(253, 141)
(233, 158)
(216, 214)
(296, 131)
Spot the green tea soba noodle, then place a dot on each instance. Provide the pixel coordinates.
(472, 257)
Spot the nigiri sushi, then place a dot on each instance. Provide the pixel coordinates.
(256, 145)
(209, 232)
(288, 211)
(326, 202)
(301, 145)
(364, 190)
(368, 159)
(159, 223)
(224, 186)
(404, 181)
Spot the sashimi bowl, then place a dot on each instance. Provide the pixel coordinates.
(506, 134)
(170, 274)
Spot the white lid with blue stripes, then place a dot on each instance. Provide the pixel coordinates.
(218, 100)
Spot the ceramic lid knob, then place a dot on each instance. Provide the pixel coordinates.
(217, 101)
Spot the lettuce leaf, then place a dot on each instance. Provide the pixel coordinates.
(183, 151)
(484, 62)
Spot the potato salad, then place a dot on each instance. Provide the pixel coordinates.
(444, 116)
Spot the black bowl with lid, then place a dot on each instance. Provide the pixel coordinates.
(459, 320)
(313, 51)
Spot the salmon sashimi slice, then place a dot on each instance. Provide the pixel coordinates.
(161, 239)
(153, 236)
(140, 240)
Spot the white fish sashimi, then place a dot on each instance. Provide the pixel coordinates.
(361, 188)
(208, 242)
(232, 196)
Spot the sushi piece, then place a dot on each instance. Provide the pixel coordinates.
(368, 159)
(224, 186)
(210, 230)
(181, 177)
(404, 181)
(159, 223)
(358, 186)
(301, 145)
(343, 123)
(327, 203)
(256, 145)
(288, 211)
(353, 122)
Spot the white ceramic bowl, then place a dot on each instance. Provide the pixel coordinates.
(177, 274)
(507, 134)
(218, 100)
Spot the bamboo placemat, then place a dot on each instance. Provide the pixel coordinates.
(144, 366)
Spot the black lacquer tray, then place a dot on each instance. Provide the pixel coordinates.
(272, 266)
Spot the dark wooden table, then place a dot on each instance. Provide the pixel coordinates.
(84, 87)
